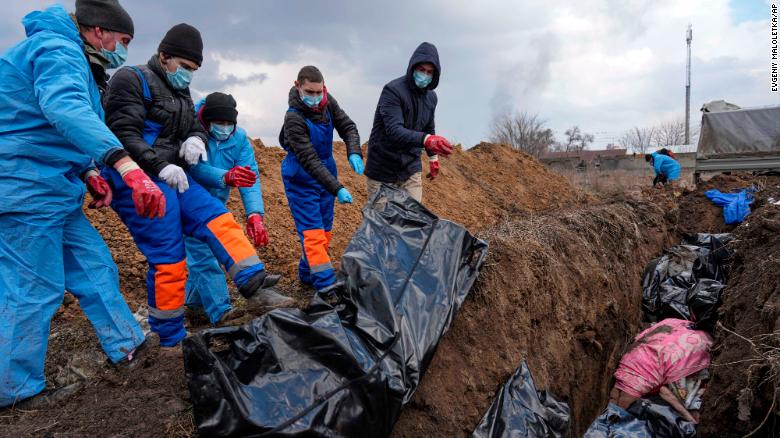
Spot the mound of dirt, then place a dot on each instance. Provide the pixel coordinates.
(560, 290)
(744, 394)
(476, 188)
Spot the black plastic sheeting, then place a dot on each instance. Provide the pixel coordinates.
(687, 281)
(348, 370)
(645, 418)
(519, 410)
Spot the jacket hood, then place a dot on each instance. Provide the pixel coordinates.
(425, 52)
(54, 19)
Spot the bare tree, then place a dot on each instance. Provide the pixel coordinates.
(670, 133)
(576, 140)
(638, 139)
(522, 131)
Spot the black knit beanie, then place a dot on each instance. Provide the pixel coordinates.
(108, 14)
(183, 41)
(220, 106)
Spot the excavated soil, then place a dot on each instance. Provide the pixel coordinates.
(560, 290)
(744, 394)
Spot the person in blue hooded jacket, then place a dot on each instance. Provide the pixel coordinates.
(51, 133)
(404, 126)
(666, 168)
(231, 163)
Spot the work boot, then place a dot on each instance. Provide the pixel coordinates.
(259, 291)
(229, 317)
(332, 294)
(140, 353)
(47, 398)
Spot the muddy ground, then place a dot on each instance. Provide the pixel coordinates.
(561, 288)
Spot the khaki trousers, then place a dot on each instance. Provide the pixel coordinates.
(412, 186)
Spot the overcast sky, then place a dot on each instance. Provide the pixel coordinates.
(604, 65)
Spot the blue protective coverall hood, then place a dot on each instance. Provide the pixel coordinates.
(51, 119)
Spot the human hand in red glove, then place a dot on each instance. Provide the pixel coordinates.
(240, 177)
(433, 166)
(148, 199)
(256, 230)
(99, 189)
(438, 145)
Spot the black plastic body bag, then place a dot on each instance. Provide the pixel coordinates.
(687, 281)
(348, 370)
(519, 410)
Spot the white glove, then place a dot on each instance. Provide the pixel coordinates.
(175, 177)
(192, 150)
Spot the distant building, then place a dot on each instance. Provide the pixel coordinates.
(582, 160)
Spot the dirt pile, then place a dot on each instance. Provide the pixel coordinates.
(560, 290)
(744, 394)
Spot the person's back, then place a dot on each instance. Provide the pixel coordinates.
(32, 147)
(666, 166)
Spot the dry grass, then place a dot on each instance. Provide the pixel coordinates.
(611, 181)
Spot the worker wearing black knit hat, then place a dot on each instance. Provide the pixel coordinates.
(108, 14)
(150, 110)
(219, 107)
(184, 41)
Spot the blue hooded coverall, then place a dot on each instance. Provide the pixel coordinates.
(666, 166)
(194, 213)
(51, 129)
(206, 284)
(312, 207)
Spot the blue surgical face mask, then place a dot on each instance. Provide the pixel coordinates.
(421, 79)
(222, 132)
(180, 79)
(117, 57)
(311, 101)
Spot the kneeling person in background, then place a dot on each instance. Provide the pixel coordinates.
(667, 169)
(231, 163)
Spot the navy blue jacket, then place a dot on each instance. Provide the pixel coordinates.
(404, 116)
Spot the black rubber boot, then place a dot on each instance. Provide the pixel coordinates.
(259, 291)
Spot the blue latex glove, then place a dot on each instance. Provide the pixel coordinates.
(344, 196)
(356, 161)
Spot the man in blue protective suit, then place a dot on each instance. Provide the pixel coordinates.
(231, 163)
(666, 168)
(150, 110)
(51, 133)
(309, 173)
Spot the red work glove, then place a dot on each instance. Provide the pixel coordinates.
(256, 230)
(240, 177)
(438, 145)
(99, 189)
(434, 170)
(148, 199)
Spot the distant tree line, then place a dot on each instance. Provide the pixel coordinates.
(529, 133)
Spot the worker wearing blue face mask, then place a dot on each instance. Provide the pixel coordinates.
(231, 163)
(51, 132)
(150, 110)
(310, 176)
(404, 126)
